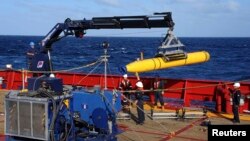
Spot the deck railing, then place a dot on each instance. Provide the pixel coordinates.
(186, 90)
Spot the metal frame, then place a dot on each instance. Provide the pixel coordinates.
(33, 101)
(165, 115)
(171, 48)
(123, 116)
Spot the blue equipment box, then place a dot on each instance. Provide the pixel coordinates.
(55, 83)
(86, 103)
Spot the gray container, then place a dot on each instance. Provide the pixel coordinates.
(26, 117)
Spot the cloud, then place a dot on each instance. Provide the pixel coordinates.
(205, 6)
(113, 3)
(187, 1)
(218, 7)
(233, 6)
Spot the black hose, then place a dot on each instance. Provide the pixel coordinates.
(51, 128)
(70, 128)
(55, 113)
(66, 132)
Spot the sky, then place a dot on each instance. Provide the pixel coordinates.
(193, 18)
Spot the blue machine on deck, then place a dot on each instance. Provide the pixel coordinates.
(98, 110)
(84, 115)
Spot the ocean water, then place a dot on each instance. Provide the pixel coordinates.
(230, 57)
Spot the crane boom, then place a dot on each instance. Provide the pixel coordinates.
(78, 27)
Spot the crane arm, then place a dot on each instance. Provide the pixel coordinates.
(78, 27)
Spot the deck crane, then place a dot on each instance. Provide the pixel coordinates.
(171, 49)
(79, 27)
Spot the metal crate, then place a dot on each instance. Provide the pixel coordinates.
(26, 117)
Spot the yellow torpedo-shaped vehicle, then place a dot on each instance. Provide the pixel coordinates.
(170, 54)
(161, 63)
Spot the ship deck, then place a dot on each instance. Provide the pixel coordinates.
(172, 129)
(157, 130)
(192, 129)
